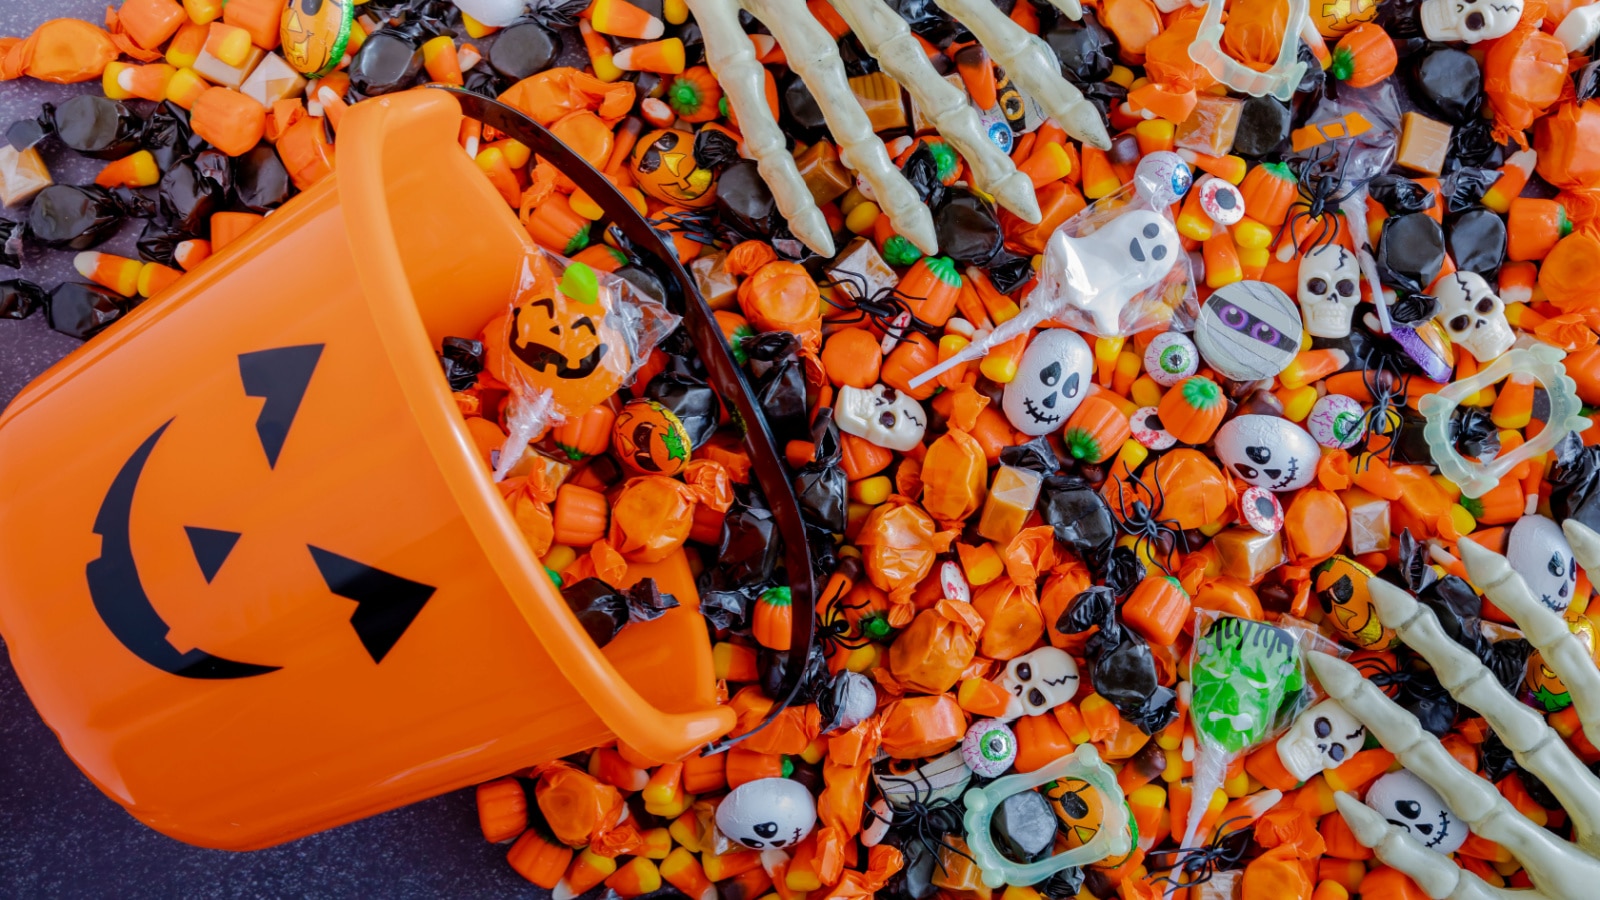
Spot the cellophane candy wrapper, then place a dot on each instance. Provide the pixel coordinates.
(571, 338)
(1118, 268)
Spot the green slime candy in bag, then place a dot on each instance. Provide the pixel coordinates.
(1245, 674)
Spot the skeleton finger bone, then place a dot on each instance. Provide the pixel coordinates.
(813, 56)
(1566, 655)
(1435, 873)
(1033, 66)
(1071, 8)
(1535, 745)
(731, 57)
(884, 34)
(1554, 865)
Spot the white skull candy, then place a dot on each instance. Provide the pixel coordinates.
(1330, 287)
(881, 415)
(767, 812)
(1407, 801)
(1469, 20)
(1102, 272)
(1040, 681)
(1323, 737)
(1539, 552)
(1473, 316)
(1053, 377)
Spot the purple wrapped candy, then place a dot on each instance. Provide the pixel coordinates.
(1426, 347)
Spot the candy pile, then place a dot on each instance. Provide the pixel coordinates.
(1093, 496)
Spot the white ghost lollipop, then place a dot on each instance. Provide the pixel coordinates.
(1097, 275)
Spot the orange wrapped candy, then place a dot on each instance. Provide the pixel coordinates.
(1254, 32)
(780, 296)
(578, 807)
(1189, 486)
(65, 51)
(954, 472)
(653, 514)
(898, 545)
(551, 94)
(931, 655)
(1013, 621)
(1315, 524)
(915, 727)
(1277, 874)
(1568, 141)
(1523, 74)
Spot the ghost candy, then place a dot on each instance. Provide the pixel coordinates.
(1248, 331)
(882, 416)
(1330, 288)
(1408, 802)
(1322, 738)
(1101, 273)
(1538, 551)
(1268, 452)
(1053, 377)
(1040, 681)
(767, 813)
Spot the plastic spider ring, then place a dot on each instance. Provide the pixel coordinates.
(1543, 362)
(1279, 81)
(1114, 838)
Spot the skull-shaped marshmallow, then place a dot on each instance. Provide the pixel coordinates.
(1469, 20)
(1052, 378)
(1330, 287)
(881, 415)
(1474, 316)
(1040, 681)
(1407, 801)
(1102, 272)
(1322, 738)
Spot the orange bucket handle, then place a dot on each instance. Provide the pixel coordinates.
(372, 148)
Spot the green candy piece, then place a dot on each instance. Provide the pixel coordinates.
(580, 283)
(1245, 675)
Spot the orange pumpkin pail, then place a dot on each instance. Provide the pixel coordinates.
(257, 577)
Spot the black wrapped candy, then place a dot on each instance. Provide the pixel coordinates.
(260, 182)
(77, 218)
(462, 359)
(391, 59)
(1264, 124)
(84, 310)
(19, 299)
(96, 127)
(1079, 515)
(744, 202)
(1477, 241)
(1086, 50)
(821, 484)
(524, 49)
(11, 243)
(1123, 669)
(1410, 252)
(780, 384)
(1447, 83)
(603, 611)
(691, 400)
(967, 228)
(192, 192)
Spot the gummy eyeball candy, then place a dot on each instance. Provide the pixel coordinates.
(1170, 358)
(1221, 200)
(1261, 509)
(767, 812)
(1335, 421)
(1163, 178)
(1268, 452)
(989, 748)
(1148, 430)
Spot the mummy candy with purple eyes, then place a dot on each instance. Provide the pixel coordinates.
(1336, 422)
(1248, 331)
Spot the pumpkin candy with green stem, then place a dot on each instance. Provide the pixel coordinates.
(695, 95)
(1096, 430)
(1193, 409)
(1364, 56)
(773, 619)
(1269, 190)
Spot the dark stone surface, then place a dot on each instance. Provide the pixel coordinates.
(59, 836)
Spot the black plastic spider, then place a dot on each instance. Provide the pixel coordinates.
(1388, 386)
(694, 225)
(1320, 179)
(886, 307)
(926, 819)
(834, 628)
(1196, 865)
(1140, 519)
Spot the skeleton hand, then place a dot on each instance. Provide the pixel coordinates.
(812, 53)
(1559, 870)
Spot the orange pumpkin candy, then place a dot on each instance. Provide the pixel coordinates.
(649, 439)
(315, 33)
(666, 167)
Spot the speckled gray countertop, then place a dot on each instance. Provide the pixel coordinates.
(59, 836)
